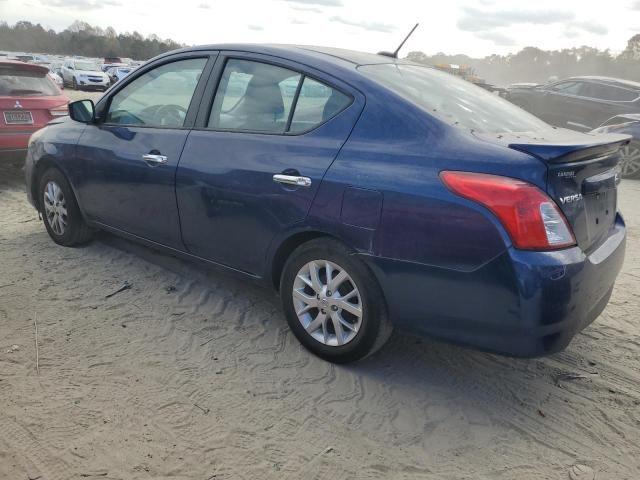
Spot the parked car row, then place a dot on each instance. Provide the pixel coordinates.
(80, 72)
(597, 104)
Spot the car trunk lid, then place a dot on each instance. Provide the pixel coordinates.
(582, 177)
(28, 113)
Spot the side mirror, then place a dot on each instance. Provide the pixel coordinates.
(82, 111)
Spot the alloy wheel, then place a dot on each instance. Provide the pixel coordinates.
(630, 160)
(55, 208)
(327, 303)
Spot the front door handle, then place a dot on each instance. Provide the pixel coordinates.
(154, 159)
(294, 180)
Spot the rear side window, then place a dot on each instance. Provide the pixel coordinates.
(15, 82)
(259, 97)
(254, 96)
(316, 104)
(610, 93)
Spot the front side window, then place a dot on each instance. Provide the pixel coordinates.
(452, 99)
(159, 98)
(253, 96)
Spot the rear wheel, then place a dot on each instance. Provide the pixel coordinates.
(630, 160)
(60, 212)
(333, 303)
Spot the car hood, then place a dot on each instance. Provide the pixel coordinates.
(62, 120)
(89, 72)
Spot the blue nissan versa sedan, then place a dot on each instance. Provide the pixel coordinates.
(370, 191)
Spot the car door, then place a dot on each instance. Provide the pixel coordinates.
(129, 157)
(251, 167)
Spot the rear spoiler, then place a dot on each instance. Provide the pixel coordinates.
(11, 65)
(555, 153)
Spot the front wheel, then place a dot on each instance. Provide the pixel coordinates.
(75, 84)
(333, 303)
(630, 160)
(60, 212)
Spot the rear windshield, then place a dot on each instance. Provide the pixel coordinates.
(452, 99)
(21, 83)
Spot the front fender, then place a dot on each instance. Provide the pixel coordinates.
(53, 145)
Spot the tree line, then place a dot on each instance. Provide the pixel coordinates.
(532, 64)
(81, 39)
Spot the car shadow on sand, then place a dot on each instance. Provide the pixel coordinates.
(424, 363)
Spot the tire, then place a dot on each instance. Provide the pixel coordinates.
(74, 84)
(353, 338)
(630, 160)
(60, 212)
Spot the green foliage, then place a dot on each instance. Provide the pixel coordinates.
(81, 39)
(534, 65)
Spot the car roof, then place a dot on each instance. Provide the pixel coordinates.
(610, 80)
(338, 56)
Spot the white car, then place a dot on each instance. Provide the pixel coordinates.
(84, 75)
(57, 79)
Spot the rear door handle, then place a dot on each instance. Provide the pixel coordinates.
(294, 180)
(155, 159)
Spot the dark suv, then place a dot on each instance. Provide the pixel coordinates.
(578, 103)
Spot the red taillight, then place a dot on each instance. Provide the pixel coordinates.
(532, 219)
(59, 111)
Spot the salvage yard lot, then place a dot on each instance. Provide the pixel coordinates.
(193, 374)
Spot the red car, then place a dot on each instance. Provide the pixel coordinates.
(29, 99)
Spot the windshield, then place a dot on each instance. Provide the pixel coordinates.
(453, 100)
(87, 66)
(24, 83)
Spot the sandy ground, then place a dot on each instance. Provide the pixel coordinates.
(192, 374)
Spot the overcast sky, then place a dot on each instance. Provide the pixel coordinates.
(474, 27)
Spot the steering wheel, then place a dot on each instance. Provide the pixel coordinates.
(171, 115)
(125, 117)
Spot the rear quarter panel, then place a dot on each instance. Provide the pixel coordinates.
(399, 151)
(426, 236)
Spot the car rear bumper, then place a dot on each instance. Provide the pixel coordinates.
(86, 85)
(522, 303)
(13, 156)
(16, 140)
